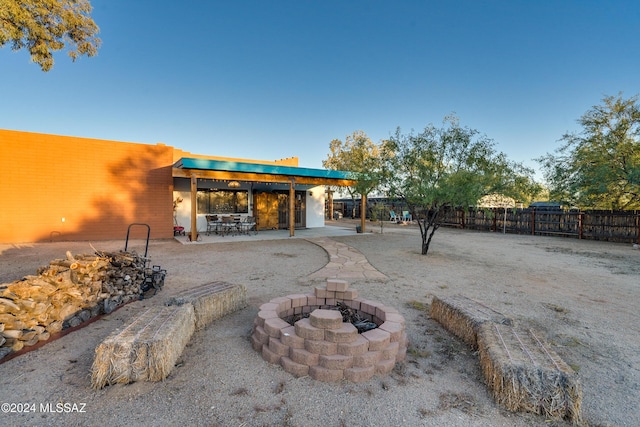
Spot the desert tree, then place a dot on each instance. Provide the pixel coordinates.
(448, 167)
(45, 26)
(599, 167)
(359, 155)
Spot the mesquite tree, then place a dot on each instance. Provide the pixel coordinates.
(448, 167)
(599, 167)
(359, 155)
(45, 26)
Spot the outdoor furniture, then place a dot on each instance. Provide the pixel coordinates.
(228, 226)
(248, 224)
(178, 230)
(392, 216)
(406, 216)
(213, 224)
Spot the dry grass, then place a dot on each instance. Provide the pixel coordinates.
(463, 316)
(556, 308)
(417, 305)
(419, 352)
(524, 374)
(145, 350)
(212, 301)
(461, 401)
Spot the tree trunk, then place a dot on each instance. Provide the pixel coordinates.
(428, 227)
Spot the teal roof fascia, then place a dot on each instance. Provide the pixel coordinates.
(227, 166)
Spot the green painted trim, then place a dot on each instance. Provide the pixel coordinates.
(223, 165)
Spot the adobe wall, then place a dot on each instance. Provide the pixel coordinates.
(287, 161)
(69, 188)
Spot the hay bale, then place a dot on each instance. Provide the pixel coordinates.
(463, 316)
(525, 374)
(212, 301)
(146, 349)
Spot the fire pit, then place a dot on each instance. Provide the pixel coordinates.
(321, 344)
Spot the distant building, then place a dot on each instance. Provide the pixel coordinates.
(547, 206)
(496, 201)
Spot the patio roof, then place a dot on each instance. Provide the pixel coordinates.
(295, 177)
(223, 169)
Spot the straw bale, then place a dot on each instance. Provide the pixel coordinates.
(146, 349)
(463, 316)
(212, 301)
(525, 374)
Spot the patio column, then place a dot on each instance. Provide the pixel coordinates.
(194, 208)
(292, 208)
(363, 211)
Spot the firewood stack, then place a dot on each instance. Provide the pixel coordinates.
(65, 294)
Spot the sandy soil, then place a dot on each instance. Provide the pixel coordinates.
(583, 295)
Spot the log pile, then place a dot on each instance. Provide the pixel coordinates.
(65, 294)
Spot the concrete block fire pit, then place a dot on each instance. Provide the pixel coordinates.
(308, 335)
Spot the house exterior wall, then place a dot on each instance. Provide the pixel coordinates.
(287, 161)
(68, 188)
(315, 207)
(62, 188)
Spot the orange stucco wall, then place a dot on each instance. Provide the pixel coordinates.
(287, 161)
(67, 188)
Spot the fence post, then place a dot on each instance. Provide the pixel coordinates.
(533, 221)
(462, 218)
(580, 225)
(495, 220)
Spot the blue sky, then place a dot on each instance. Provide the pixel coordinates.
(273, 79)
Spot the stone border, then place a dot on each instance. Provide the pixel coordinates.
(324, 347)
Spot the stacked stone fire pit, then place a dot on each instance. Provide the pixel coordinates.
(320, 344)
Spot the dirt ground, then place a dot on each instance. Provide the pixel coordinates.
(583, 295)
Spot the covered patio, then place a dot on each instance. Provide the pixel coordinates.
(330, 230)
(277, 196)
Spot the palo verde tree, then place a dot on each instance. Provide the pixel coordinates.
(45, 26)
(448, 167)
(599, 167)
(359, 155)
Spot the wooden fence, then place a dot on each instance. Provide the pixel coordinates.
(613, 226)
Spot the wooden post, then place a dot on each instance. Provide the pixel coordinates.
(194, 208)
(580, 225)
(533, 221)
(292, 208)
(330, 197)
(363, 212)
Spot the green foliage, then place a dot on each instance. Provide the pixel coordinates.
(359, 155)
(599, 167)
(45, 26)
(448, 167)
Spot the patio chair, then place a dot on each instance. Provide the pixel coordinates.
(393, 217)
(212, 223)
(228, 225)
(249, 224)
(406, 216)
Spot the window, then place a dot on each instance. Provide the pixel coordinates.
(223, 201)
